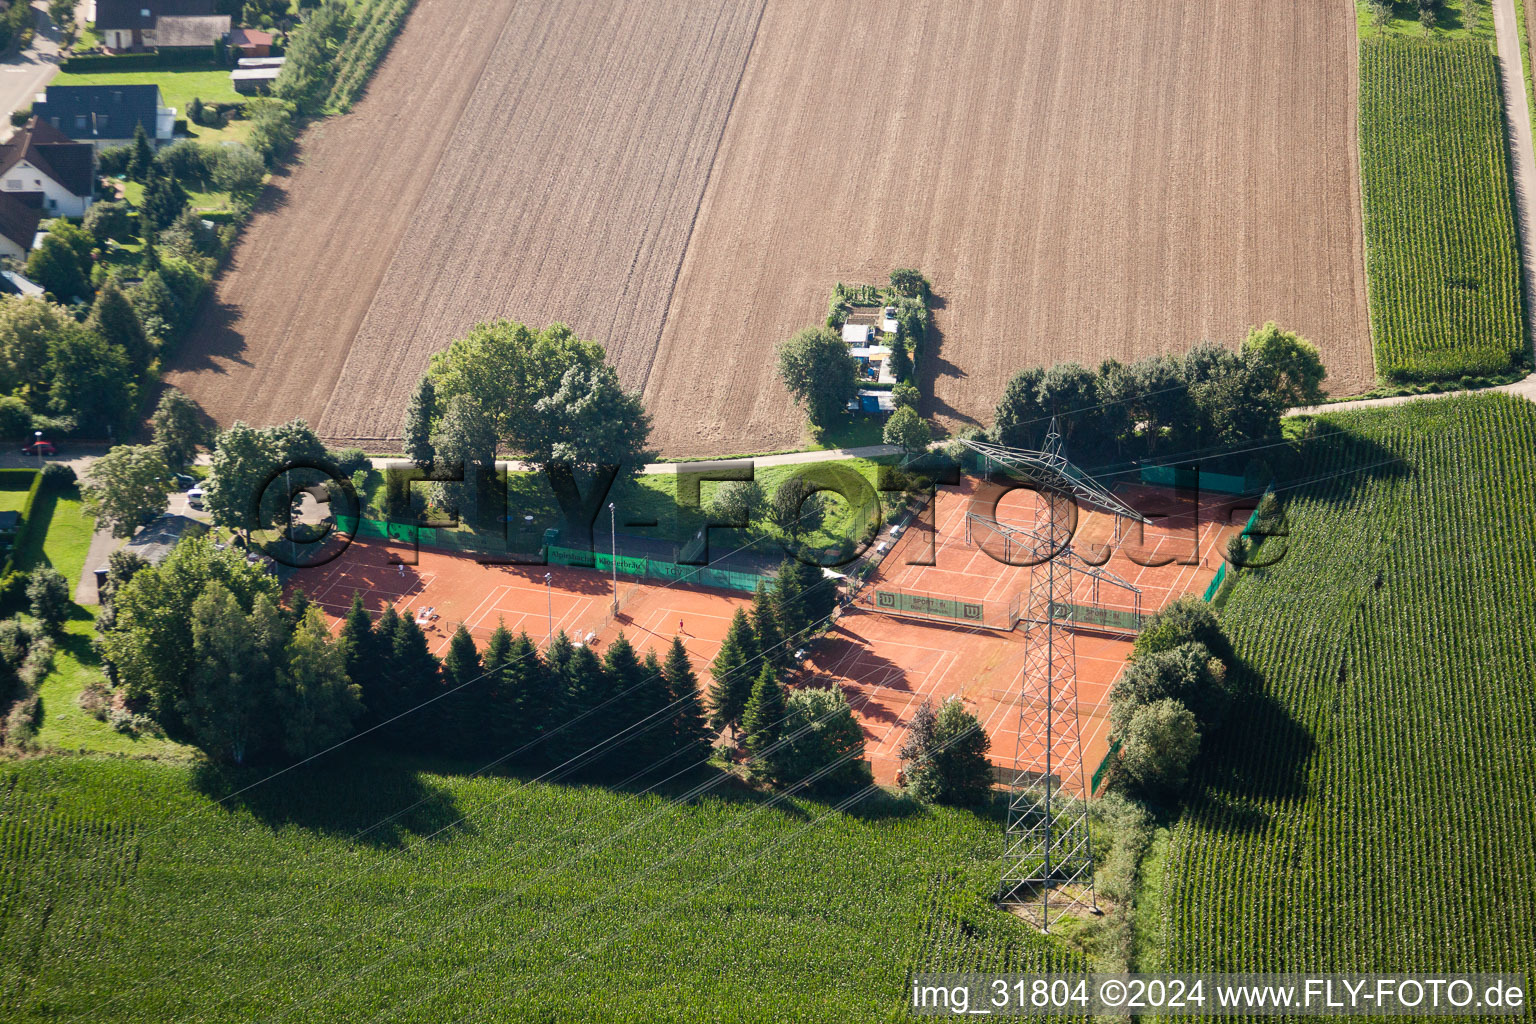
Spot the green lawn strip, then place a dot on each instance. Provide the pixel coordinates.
(177, 87)
(64, 544)
(1450, 21)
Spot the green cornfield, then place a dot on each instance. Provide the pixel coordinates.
(1369, 806)
(1442, 265)
(127, 893)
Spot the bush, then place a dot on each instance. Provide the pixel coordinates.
(113, 160)
(59, 476)
(108, 220)
(820, 735)
(237, 169)
(352, 460)
(15, 418)
(1187, 620)
(96, 699)
(184, 160)
(22, 722)
(1160, 743)
(48, 594)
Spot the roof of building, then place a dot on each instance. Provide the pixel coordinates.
(155, 541)
(72, 164)
(254, 74)
(142, 14)
(249, 37)
(125, 107)
(18, 219)
(857, 334)
(13, 283)
(192, 30)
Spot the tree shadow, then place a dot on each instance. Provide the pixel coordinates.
(1259, 756)
(366, 797)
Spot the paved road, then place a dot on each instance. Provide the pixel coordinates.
(23, 75)
(1517, 122)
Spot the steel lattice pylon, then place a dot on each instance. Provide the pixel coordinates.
(1047, 854)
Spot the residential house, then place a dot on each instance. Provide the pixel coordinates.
(20, 213)
(248, 42)
(107, 115)
(42, 166)
(126, 25)
(155, 541)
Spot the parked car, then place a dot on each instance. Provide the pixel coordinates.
(195, 497)
(184, 481)
(39, 448)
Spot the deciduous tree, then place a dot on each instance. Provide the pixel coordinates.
(818, 371)
(126, 487)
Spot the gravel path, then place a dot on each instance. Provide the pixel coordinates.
(1517, 120)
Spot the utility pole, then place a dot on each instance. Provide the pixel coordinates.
(1047, 854)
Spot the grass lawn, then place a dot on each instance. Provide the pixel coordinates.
(65, 546)
(202, 201)
(1450, 23)
(177, 89)
(13, 490)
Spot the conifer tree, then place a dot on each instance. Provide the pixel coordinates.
(540, 709)
(763, 723)
(461, 710)
(114, 321)
(690, 731)
(787, 602)
(624, 707)
(415, 679)
(317, 703)
(765, 625)
(733, 669)
(358, 640)
(418, 423)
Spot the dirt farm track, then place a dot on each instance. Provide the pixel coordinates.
(684, 181)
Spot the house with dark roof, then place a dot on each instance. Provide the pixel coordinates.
(154, 541)
(126, 25)
(43, 167)
(106, 115)
(20, 214)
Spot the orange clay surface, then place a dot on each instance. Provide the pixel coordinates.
(885, 664)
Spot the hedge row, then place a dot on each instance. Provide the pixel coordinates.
(22, 531)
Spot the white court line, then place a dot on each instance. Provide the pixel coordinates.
(495, 594)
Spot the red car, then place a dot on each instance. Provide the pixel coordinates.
(39, 448)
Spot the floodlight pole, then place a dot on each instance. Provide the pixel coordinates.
(549, 597)
(613, 534)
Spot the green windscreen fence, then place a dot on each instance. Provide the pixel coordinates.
(655, 569)
(636, 567)
(1118, 619)
(991, 614)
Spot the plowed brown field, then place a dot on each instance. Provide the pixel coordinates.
(539, 161)
(1079, 179)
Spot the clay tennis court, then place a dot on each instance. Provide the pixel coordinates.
(885, 663)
